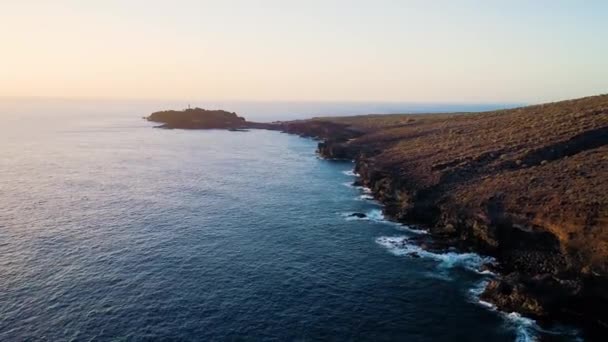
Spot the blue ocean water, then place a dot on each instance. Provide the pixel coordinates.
(113, 230)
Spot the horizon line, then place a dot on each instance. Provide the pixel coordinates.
(103, 98)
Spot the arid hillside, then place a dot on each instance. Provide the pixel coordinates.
(555, 156)
(527, 185)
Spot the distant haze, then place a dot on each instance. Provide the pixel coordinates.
(265, 111)
(376, 51)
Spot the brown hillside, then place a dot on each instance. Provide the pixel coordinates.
(526, 185)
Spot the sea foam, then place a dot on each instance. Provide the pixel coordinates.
(400, 245)
(375, 215)
(366, 197)
(350, 173)
(525, 328)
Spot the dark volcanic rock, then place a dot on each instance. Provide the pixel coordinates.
(359, 215)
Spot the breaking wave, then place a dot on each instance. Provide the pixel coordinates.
(400, 245)
(375, 215)
(366, 197)
(351, 173)
(526, 329)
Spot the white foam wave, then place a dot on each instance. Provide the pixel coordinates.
(476, 291)
(399, 245)
(350, 185)
(525, 328)
(486, 272)
(410, 229)
(375, 215)
(366, 197)
(351, 173)
(348, 217)
(365, 190)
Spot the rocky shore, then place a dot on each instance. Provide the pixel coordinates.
(528, 186)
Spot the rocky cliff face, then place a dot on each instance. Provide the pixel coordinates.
(528, 186)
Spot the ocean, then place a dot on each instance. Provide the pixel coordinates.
(111, 229)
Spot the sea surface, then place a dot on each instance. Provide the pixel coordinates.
(111, 229)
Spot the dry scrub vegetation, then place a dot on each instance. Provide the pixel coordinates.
(547, 165)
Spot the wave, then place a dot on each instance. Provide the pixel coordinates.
(350, 185)
(350, 173)
(476, 291)
(410, 229)
(365, 190)
(525, 328)
(400, 245)
(375, 215)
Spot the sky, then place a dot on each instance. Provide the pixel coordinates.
(419, 51)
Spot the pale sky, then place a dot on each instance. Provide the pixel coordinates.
(424, 51)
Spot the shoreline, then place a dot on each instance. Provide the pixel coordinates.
(416, 245)
(538, 275)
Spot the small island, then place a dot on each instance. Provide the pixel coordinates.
(199, 118)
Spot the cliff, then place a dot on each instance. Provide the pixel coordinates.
(528, 186)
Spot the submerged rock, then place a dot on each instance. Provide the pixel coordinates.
(358, 215)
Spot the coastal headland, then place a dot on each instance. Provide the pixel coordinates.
(199, 118)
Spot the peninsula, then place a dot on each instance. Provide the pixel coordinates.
(198, 118)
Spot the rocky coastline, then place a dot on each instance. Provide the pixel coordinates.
(526, 186)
